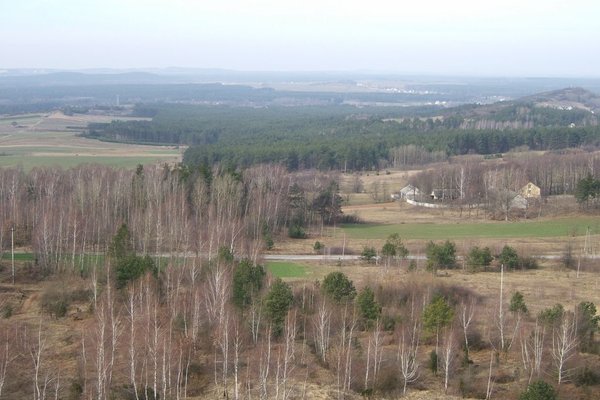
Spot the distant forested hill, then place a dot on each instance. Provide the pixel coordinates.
(566, 107)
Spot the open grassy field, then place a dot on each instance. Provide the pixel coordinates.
(38, 140)
(560, 227)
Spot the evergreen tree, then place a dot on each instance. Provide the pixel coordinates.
(128, 265)
(539, 390)
(247, 282)
(478, 258)
(277, 304)
(338, 287)
(440, 255)
(517, 303)
(367, 306)
(509, 257)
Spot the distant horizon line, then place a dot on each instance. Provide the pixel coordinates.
(23, 71)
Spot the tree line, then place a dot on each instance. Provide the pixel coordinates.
(62, 215)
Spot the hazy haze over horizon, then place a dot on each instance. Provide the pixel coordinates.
(463, 37)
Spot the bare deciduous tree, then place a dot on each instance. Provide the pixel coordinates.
(7, 356)
(321, 328)
(466, 314)
(564, 343)
(408, 347)
(532, 350)
(447, 356)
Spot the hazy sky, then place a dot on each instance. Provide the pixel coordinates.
(466, 37)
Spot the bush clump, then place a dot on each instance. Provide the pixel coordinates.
(56, 300)
(296, 232)
(440, 256)
(539, 390)
(369, 254)
(587, 377)
(479, 258)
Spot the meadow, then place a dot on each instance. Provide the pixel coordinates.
(562, 227)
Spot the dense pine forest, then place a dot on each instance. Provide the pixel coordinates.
(345, 137)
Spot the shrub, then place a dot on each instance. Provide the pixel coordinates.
(267, 236)
(517, 303)
(539, 390)
(368, 254)
(588, 323)
(440, 255)
(350, 219)
(55, 302)
(567, 258)
(7, 311)
(432, 364)
(296, 232)
(412, 265)
(478, 258)
(509, 257)
(388, 381)
(318, 247)
(552, 315)
(225, 255)
(75, 390)
(528, 263)
(388, 322)
(131, 268)
(367, 306)
(476, 341)
(587, 377)
(269, 243)
(337, 250)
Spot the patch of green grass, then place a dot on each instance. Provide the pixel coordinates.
(286, 269)
(549, 228)
(18, 256)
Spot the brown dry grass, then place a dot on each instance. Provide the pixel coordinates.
(542, 288)
(53, 137)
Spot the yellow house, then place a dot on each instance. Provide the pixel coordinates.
(531, 191)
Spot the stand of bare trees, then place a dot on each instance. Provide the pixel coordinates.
(174, 331)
